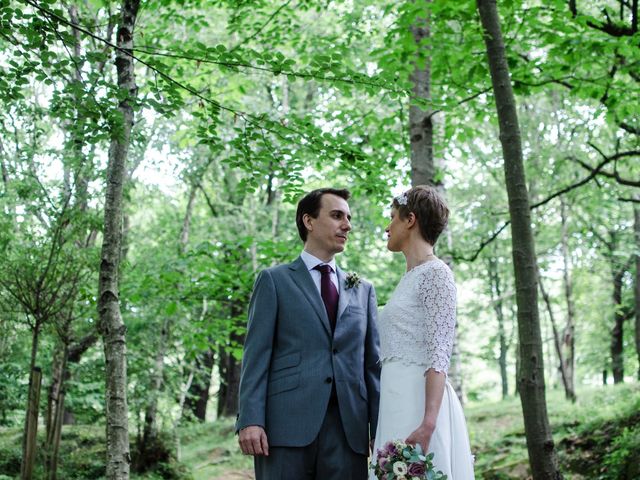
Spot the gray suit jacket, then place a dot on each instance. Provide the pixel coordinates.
(291, 360)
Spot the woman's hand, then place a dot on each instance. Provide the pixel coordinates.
(422, 436)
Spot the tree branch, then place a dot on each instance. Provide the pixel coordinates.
(214, 212)
(608, 159)
(594, 172)
(313, 143)
(257, 32)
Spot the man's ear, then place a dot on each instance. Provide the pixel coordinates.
(306, 220)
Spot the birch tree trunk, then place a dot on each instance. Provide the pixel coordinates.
(531, 384)
(111, 325)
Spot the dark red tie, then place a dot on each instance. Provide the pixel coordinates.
(329, 294)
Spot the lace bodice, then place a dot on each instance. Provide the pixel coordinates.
(417, 325)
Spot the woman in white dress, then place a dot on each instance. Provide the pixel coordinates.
(417, 328)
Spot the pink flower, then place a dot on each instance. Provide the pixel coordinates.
(416, 469)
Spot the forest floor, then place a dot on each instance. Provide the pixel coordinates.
(598, 437)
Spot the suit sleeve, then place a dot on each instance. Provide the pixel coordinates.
(263, 311)
(372, 361)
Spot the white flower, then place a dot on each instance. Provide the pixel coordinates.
(400, 468)
(402, 199)
(400, 445)
(352, 280)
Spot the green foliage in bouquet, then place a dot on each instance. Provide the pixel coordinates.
(398, 461)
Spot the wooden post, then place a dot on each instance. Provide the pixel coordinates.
(31, 429)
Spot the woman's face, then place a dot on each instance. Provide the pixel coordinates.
(397, 232)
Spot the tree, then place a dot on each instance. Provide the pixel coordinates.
(531, 377)
(636, 228)
(111, 324)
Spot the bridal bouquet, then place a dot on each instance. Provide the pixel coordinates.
(398, 461)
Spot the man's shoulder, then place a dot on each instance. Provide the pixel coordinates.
(282, 268)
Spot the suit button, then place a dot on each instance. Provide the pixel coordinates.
(335, 350)
(328, 380)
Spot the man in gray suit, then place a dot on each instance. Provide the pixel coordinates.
(309, 387)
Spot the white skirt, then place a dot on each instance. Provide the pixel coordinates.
(402, 397)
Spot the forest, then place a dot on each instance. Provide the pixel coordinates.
(152, 155)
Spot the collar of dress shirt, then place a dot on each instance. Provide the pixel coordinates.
(312, 261)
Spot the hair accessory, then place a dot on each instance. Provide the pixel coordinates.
(402, 199)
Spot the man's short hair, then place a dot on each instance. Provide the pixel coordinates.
(311, 203)
(430, 209)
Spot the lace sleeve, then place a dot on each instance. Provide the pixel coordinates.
(437, 292)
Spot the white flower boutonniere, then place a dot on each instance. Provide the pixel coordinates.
(352, 280)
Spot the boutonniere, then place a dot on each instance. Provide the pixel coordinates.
(352, 280)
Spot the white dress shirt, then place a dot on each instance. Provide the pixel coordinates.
(311, 262)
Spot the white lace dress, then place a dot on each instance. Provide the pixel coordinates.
(417, 328)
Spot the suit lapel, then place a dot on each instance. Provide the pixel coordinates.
(302, 278)
(345, 295)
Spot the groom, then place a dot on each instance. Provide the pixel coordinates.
(309, 387)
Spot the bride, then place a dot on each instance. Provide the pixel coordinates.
(417, 327)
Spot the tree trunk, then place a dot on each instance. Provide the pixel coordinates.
(496, 300)
(58, 374)
(54, 448)
(568, 334)
(421, 121)
(556, 338)
(76, 127)
(636, 228)
(150, 429)
(423, 166)
(229, 368)
(531, 384)
(617, 333)
(198, 396)
(31, 423)
(186, 222)
(112, 327)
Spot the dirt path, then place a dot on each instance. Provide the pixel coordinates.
(237, 475)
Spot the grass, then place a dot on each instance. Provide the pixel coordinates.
(211, 452)
(584, 433)
(597, 439)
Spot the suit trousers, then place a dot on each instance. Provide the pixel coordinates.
(328, 457)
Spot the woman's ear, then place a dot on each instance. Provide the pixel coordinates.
(411, 219)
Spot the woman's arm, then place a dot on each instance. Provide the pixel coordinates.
(437, 291)
(434, 390)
